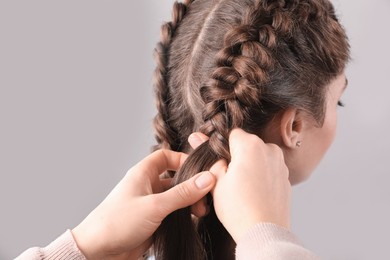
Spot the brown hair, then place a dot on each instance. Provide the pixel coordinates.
(223, 64)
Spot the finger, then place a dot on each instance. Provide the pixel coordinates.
(219, 169)
(166, 183)
(196, 139)
(200, 208)
(161, 161)
(185, 193)
(240, 141)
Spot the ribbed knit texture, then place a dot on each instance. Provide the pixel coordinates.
(63, 248)
(264, 241)
(268, 241)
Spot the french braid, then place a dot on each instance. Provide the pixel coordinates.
(166, 135)
(259, 58)
(234, 93)
(236, 84)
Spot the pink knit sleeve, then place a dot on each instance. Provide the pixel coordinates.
(269, 241)
(63, 248)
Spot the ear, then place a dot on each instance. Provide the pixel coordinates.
(291, 127)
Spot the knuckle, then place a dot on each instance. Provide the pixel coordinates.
(276, 150)
(254, 139)
(183, 191)
(159, 209)
(159, 151)
(247, 141)
(252, 142)
(274, 147)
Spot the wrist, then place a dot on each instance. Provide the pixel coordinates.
(240, 227)
(80, 236)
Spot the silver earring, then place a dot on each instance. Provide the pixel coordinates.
(298, 144)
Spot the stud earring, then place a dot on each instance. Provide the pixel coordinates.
(298, 144)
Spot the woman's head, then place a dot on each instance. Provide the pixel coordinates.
(274, 68)
(235, 63)
(304, 142)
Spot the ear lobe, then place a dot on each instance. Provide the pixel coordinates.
(291, 125)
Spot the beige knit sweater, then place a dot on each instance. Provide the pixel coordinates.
(263, 241)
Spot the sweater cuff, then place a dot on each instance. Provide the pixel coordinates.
(63, 248)
(265, 233)
(270, 241)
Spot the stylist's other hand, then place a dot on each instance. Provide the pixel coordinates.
(122, 225)
(254, 187)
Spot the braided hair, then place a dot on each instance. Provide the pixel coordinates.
(166, 134)
(236, 63)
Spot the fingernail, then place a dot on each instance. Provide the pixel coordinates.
(194, 138)
(204, 180)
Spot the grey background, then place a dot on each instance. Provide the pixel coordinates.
(76, 105)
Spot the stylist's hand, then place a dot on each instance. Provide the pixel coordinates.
(254, 187)
(122, 225)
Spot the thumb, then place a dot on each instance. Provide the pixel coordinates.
(196, 139)
(186, 193)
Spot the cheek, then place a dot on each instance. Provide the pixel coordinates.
(329, 130)
(323, 139)
(313, 150)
